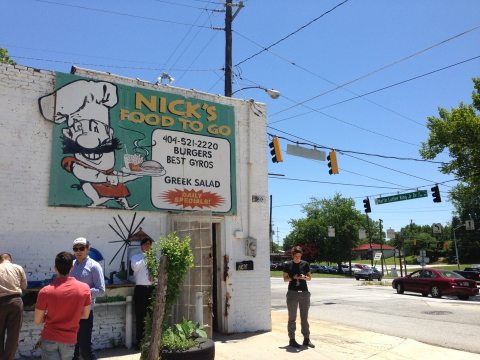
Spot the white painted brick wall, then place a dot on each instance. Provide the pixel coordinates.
(108, 329)
(33, 232)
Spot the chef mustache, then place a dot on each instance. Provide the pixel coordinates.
(70, 146)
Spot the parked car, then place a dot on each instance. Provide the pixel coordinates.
(436, 283)
(369, 274)
(315, 268)
(331, 269)
(276, 266)
(469, 274)
(359, 267)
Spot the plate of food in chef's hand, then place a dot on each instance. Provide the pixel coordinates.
(148, 167)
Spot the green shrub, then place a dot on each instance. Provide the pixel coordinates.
(179, 259)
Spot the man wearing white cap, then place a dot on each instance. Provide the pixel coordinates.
(89, 272)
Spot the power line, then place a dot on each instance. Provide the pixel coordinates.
(336, 183)
(188, 6)
(316, 145)
(377, 90)
(337, 86)
(121, 14)
(337, 119)
(311, 143)
(403, 82)
(292, 33)
(360, 153)
(363, 76)
(109, 65)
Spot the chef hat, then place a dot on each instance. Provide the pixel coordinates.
(80, 100)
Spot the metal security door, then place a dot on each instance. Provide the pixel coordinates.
(195, 302)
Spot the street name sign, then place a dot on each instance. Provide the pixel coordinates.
(331, 231)
(401, 197)
(306, 153)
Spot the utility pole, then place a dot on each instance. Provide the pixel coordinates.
(228, 48)
(229, 16)
(270, 233)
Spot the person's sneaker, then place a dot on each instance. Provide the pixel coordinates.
(307, 342)
(293, 343)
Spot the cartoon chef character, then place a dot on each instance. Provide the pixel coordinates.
(85, 106)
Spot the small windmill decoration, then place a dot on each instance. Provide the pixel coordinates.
(126, 238)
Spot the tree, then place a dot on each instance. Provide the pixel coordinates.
(458, 132)
(5, 58)
(338, 212)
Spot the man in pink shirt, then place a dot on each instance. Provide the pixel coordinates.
(60, 306)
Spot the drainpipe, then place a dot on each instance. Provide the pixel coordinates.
(128, 322)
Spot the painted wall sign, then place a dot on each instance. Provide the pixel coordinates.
(116, 146)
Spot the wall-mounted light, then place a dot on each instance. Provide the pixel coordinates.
(274, 94)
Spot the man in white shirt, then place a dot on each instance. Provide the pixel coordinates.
(143, 288)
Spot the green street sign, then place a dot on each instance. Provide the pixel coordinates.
(401, 197)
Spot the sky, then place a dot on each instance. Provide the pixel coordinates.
(358, 76)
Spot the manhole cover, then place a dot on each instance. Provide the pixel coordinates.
(437, 312)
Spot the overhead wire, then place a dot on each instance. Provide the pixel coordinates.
(381, 69)
(292, 33)
(109, 65)
(403, 81)
(181, 42)
(378, 165)
(291, 62)
(118, 13)
(199, 53)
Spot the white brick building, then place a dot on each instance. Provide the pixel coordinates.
(34, 230)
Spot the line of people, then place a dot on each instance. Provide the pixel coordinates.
(65, 307)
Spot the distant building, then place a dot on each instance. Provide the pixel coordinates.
(363, 252)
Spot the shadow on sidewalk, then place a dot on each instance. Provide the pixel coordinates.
(226, 338)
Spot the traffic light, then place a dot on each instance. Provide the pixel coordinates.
(436, 194)
(276, 150)
(366, 205)
(332, 162)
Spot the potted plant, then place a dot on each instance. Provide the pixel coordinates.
(185, 340)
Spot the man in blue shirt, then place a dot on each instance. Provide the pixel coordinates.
(89, 272)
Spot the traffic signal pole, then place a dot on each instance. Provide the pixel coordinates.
(369, 238)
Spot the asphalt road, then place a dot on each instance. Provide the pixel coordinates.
(446, 322)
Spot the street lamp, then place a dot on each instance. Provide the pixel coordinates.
(274, 94)
(166, 77)
(455, 242)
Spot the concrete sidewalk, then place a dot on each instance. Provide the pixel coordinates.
(333, 342)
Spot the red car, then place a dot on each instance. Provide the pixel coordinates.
(436, 283)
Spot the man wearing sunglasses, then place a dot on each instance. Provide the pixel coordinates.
(88, 271)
